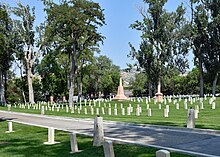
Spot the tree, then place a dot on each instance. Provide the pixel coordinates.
(108, 76)
(72, 29)
(212, 57)
(200, 39)
(164, 40)
(54, 79)
(148, 61)
(138, 85)
(26, 33)
(103, 77)
(205, 39)
(8, 42)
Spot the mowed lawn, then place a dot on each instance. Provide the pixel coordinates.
(208, 118)
(28, 141)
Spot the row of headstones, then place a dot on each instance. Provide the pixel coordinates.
(129, 109)
(98, 140)
(58, 106)
(139, 99)
(192, 100)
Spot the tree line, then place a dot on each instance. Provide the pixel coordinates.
(169, 37)
(57, 58)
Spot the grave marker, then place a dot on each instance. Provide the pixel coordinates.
(108, 149)
(42, 110)
(98, 135)
(10, 128)
(123, 111)
(50, 136)
(73, 143)
(191, 118)
(166, 113)
(162, 153)
(149, 113)
(109, 111)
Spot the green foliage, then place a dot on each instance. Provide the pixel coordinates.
(73, 25)
(164, 41)
(72, 28)
(103, 77)
(14, 92)
(38, 92)
(53, 75)
(7, 39)
(205, 37)
(31, 46)
(139, 84)
(8, 46)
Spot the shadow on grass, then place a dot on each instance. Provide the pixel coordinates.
(2, 119)
(32, 145)
(165, 123)
(214, 127)
(36, 148)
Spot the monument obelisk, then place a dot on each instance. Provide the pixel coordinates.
(159, 95)
(120, 95)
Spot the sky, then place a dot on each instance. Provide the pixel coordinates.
(119, 15)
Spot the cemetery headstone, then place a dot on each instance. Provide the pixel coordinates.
(109, 111)
(191, 118)
(162, 153)
(51, 136)
(42, 110)
(149, 113)
(73, 143)
(10, 127)
(108, 149)
(98, 135)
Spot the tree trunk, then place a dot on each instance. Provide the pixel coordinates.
(5, 86)
(96, 87)
(214, 84)
(201, 78)
(2, 91)
(22, 89)
(23, 85)
(80, 86)
(30, 85)
(150, 89)
(72, 81)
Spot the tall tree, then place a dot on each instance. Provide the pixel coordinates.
(147, 60)
(164, 40)
(200, 39)
(212, 57)
(8, 42)
(72, 28)
(31, 46)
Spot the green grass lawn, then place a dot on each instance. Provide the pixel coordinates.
(28, 141)
(208, 118)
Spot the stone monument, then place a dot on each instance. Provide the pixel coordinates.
(159, 95)
(51, 99)
(64, 98)
(120, 94)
